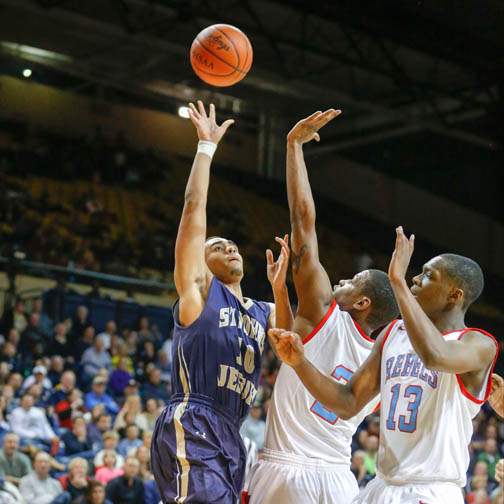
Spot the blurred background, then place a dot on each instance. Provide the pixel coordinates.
(96, 147)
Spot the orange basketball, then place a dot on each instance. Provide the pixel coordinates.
(221, 55)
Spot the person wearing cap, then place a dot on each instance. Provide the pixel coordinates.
(99, 396)
(38, 376)
(31, 424)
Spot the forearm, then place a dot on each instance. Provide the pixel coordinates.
(333, 395)
(427, 341)
(301, 204)
(283, 310)
(198, 182)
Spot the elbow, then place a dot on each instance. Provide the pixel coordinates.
(432, 360)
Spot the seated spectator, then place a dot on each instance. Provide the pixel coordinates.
(80, 322)
(61, 390)
(99, 396)
(95, 494)
(76, 440)
(56, 369)
(120, 377)
(38, 376)
(110, 442)
(128, 488)
(60, 344)
(108, 470)
(131, 441)
(254, 426)
(146, 421)
(83, 343)
(129, 413)
(75, 483)
(131, 389)
(68, 408)
(95, 358)
(45, 323)
(153, 388)
(144, 333)
(9, 355)
(142, 454)
(358, 468)
(164, 364)
(490, 455)
(30, 424)
(13, 464)
(38, 487)
(97, 428)
(106, 335)
(371, 454)
(122, 353)
(33, 340)
(16, 317)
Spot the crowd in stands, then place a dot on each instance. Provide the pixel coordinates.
(77, 409)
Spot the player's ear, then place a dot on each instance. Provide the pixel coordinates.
(362, 303)
(456, 296)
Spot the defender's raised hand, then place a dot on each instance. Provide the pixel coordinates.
(496, 398)
(277, 270)
(206, 125)
(288, 346)
(307, 129)
(402, 255)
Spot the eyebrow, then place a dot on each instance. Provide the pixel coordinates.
(220, 242)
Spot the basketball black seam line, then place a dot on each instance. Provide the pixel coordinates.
(232, 43)
(216, 75)
(219, 58)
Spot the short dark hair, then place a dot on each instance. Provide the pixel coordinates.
(466, 274)
(383, 303)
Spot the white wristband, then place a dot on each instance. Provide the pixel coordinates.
(206, 147)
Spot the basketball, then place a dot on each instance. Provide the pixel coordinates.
(221, 55)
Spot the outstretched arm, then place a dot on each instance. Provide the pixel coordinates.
(191, 273)
(281, 313)
(313, 286)
(474, 352)
(346, 400)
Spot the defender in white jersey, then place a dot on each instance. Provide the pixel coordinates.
(306, 458)
(433, 374)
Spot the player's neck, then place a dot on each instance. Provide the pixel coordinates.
(235, 288)
(447, 322)
(363, 324)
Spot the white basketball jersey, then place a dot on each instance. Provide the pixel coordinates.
(426, 416)
(296, 422)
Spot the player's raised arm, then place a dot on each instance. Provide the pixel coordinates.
(281, 312)
(346, 400)
(473, 353)
(191, 273)
(310, 278)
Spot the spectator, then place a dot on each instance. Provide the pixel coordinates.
(76, 440)
(153, 388)
(110, 442)
(61, 390)
(131, 389)
(39, 376)
(38, 487)
(128, 488)
(254, 426)
(80, 322)
(120, 377)
(69, 407)
(33, 340)
(144, 333)
(371, 447)
(147, 420)
(16, 317)
(60, 344)
(108, 471)
(142, 454)
(490, 456)
(108, 333)
(95, 358)
(45, 323)
(30, 423)
(358, 467)
(56, 370)
(99, 396)
(131, 441)
(9, 355)
(97, 428)
(75, 483)
(83, 343)
(13, 464)
(164, 364)
(131, 411)
(95, 494)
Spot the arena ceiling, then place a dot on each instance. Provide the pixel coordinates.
(395, 66)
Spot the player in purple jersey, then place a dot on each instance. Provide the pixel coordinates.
(219, 335)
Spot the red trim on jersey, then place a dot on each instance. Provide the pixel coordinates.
(463, 388)
(361, 331)
(387, 334)
(321, 323)
(245, 497)
(377, 408)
